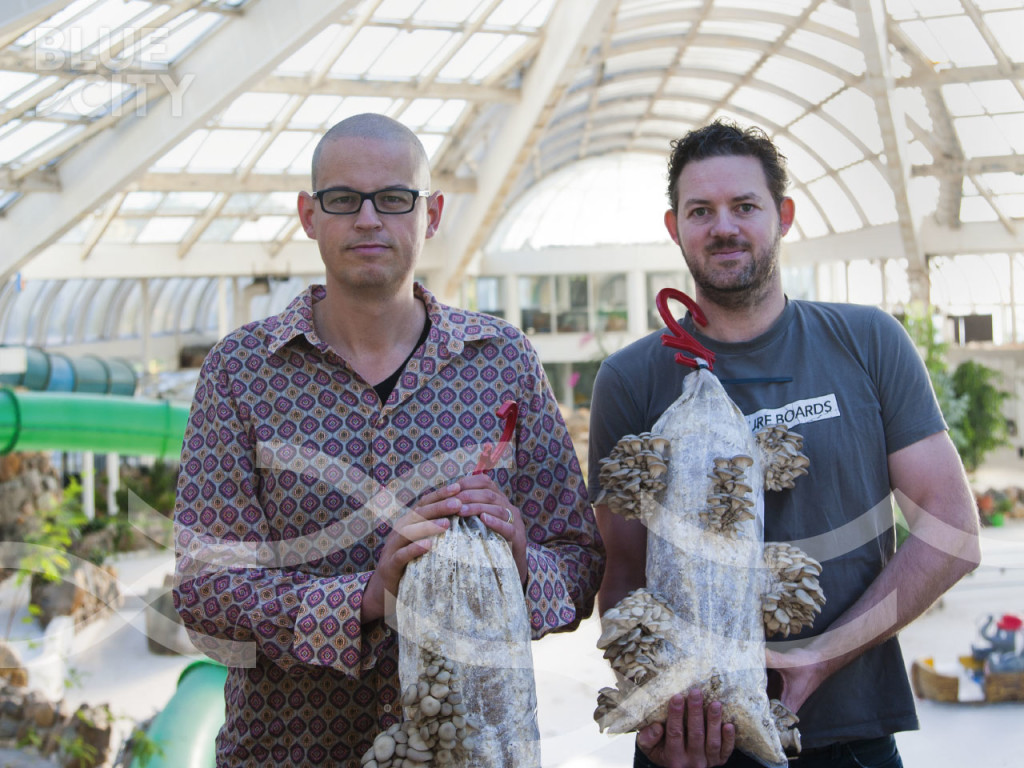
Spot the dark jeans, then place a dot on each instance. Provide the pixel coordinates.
(869, 753)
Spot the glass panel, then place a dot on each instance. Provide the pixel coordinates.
(572, 303)
(490, 292)
(612, 302)
(535, 304)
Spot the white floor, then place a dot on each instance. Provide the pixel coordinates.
(110, 664)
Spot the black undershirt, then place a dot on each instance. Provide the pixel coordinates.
(385, 387)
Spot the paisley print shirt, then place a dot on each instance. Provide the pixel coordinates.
(291, 473)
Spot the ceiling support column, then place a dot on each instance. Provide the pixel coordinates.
(879, 83)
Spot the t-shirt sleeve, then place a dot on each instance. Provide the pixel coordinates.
(910, 410)
(614, 412)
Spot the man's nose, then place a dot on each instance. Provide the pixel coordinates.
(724, 224)
(367, 217)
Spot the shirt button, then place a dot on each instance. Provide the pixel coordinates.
(387, 707)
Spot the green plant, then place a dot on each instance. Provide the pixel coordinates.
(144, 747)
(50, 543)
(984, 427)
(919, 324)
(970, 402)
(85, 754)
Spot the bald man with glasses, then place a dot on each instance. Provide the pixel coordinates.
(328, 446)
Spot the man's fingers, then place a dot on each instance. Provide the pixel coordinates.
(728, 740)
(649, 736)
(674, 728)
(713, 744)
(424, 529)
(695, 719)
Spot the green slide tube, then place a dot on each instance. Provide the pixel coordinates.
(47, 421)
(186, 729)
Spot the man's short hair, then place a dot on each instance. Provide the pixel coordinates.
(369, 125)
(721, 139)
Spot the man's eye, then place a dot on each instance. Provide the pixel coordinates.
(339, 198)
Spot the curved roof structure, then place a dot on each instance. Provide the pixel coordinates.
(166, 140)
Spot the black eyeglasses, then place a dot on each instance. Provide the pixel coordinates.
(344, 201)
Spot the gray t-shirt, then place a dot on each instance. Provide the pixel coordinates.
(848, 379)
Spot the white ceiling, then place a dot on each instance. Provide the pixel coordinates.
(168, 139)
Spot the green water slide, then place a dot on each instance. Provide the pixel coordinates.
(186, 729)
(131, 426)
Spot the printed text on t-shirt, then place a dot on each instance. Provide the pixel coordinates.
(799, 412)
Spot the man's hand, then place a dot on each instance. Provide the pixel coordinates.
(686, 740)
(411, 536)
(481, 496)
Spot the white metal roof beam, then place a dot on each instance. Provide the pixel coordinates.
(871, 20)
(958, 167)
(574, 26)
(266, 34)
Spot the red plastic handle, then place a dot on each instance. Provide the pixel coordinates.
(509, 412)
(679, 338)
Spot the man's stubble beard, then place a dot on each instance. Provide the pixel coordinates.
(745, 289)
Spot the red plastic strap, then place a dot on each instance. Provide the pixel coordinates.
(679, 338)
(509, 412)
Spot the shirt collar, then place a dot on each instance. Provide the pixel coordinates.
(454, 328)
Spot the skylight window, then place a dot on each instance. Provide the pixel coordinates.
(521, 13)
(224, 150)
(950, 42)
(836, 205)
(410, 54)
(481, 56)
(1008, 30)
(23, 138)
(830, 144)
(447, 11)
(981, 137)
(872, 191)
(855, 110)
(829, 49)
(776, 108)
(165, 229)
(815, 84)
(311, 54)
(264, 229)
(366, 47)
(285, 150)
(252, 109)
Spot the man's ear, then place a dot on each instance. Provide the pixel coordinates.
(307, 207)
(787, 210)
(672, 225)
(435, 204)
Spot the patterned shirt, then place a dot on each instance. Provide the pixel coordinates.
(291, 473)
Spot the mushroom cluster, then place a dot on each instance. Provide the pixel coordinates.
(632, 638)
(785, 724)
(729, 502)
(783, 460)
(635, 468)
(698, 481)
(437, 729)
(793, 596)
